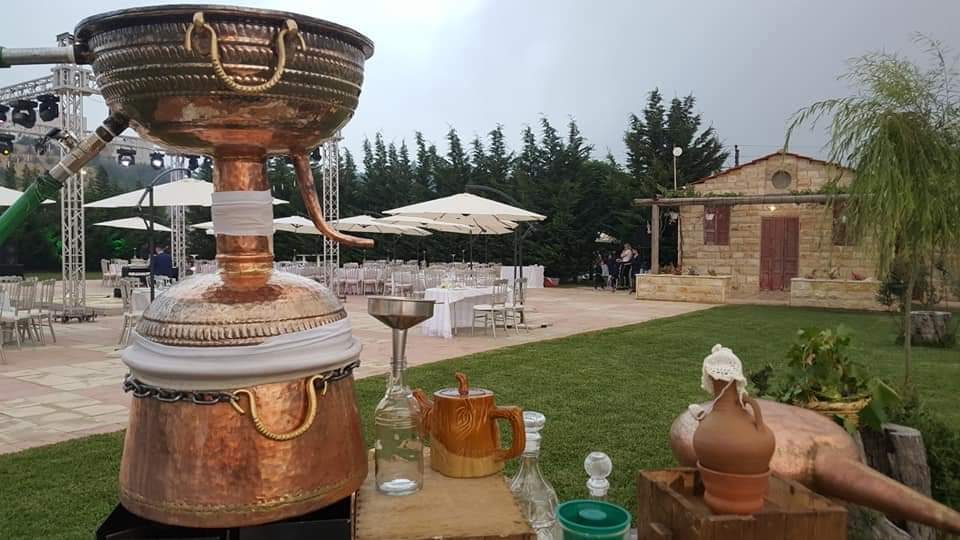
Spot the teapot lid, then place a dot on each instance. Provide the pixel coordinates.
(463, 389)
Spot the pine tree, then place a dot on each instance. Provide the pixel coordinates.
(650, 142)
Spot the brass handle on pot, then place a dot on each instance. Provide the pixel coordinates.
(307, 422)
(200, 24)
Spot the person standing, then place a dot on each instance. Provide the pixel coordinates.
(162, 263)
(626, 266)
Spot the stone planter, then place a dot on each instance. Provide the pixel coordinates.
(835, 293)
(702, 289)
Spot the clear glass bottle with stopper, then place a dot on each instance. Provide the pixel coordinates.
(398, 450)
(537, 498)
(599, 467)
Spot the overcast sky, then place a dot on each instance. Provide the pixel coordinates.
(472, 64)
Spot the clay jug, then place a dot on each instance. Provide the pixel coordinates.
(733, 450)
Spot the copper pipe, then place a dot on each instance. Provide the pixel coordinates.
(308, 190)
(242, 255)
(855, 482)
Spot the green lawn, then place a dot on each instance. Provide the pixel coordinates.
(616, 391)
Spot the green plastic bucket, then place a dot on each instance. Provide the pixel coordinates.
(593, 520)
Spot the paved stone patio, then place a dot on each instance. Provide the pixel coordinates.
(54, 392)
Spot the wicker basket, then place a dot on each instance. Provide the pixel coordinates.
(848, 410)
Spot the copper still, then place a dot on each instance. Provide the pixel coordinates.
(244, 408)
(818, 453)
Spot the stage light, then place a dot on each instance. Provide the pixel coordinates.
(156, 160)
(6, 144)
(24, 113)
(193, 163)
(49, 107)
(3, 113)
(316, 157)
(126, 157)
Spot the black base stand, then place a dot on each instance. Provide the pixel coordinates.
(334, 522)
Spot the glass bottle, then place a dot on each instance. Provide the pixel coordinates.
(398, 451)
(599, 467)
(537, 498)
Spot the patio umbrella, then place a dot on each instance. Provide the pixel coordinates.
(9, 196)
(186, 192)
(133, 223)
(604, 238)
(427, 223)
(296, 224)
(469, 209)
(371, 225)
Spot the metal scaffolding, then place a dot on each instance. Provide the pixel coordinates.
(71, 83)
(178, 222)
(330, 202)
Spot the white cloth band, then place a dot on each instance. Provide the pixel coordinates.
(279, 358)
(242, 213)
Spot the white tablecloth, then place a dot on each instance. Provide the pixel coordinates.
(453, 309)
(533, 273)
(140, 297)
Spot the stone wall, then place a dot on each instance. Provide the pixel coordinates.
(741, 258)
(704, 289)
(835, 293)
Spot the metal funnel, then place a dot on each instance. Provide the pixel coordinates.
(399, 313)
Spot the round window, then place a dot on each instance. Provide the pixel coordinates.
(781, 179)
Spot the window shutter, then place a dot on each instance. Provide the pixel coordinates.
(709, 225)
(723, 225)
(840, 234)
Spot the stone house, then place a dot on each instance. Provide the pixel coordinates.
(763, 246)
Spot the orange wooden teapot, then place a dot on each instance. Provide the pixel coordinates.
(463, 430)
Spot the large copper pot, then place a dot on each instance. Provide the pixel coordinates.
(240, 85)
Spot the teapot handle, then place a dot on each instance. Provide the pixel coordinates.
(515, 416)
(308, 191)
(757, 415)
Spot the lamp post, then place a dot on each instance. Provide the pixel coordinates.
(148, 194)
(677, 152)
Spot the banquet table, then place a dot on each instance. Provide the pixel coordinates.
(453, 308)
(533, 273)
(140, 297)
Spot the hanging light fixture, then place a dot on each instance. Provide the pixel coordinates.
(3, 113)
(316, 157)
(49, 107)
(156, 160)
(193, 163)
(6, 144)
(23, 113)
(126, 157)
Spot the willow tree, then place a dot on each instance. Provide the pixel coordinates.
(900, 131)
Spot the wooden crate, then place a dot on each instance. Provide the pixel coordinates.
(671, 507)
(447, 508)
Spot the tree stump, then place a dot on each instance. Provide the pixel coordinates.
(899, 453)
(931, 328)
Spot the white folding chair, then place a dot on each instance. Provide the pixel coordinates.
(494, 311)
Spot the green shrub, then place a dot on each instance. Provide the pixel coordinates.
(943, 448)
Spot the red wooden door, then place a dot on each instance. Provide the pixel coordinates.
(779, 252)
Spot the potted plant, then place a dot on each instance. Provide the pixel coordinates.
(820, 376)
